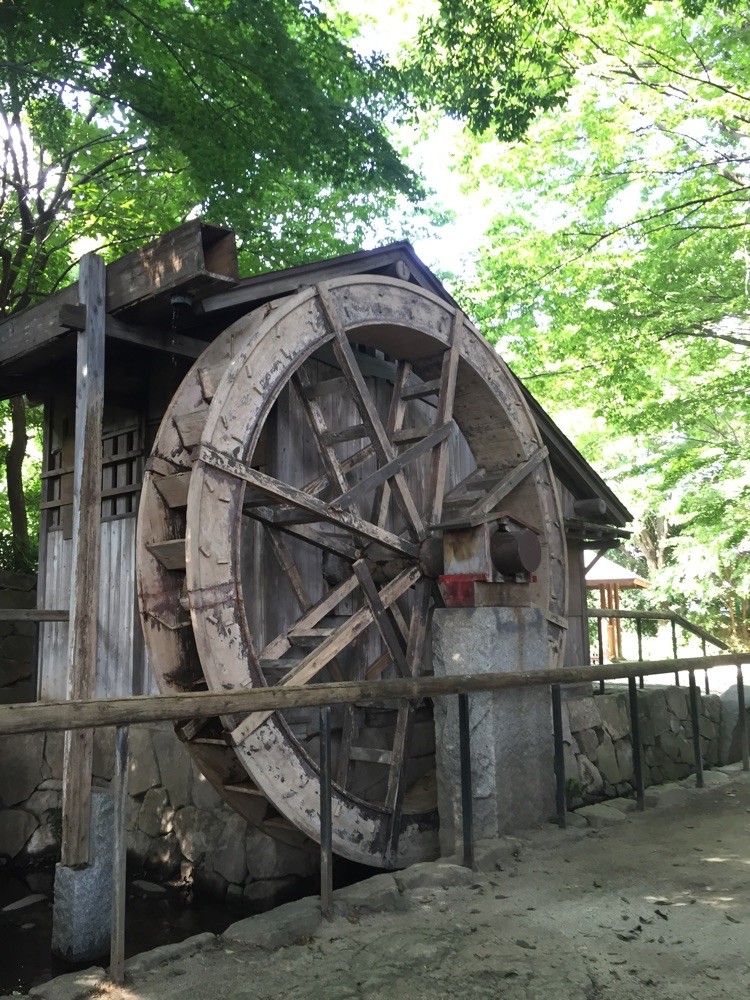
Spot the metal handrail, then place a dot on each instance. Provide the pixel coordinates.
(670, 616)
(600, 614)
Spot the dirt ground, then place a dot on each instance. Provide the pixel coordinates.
(657, 905)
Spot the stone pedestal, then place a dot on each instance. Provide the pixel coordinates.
(511, 731)
(81, 917)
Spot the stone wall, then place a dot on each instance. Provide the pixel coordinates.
(599, 752)
(17, 640)
(177, 825)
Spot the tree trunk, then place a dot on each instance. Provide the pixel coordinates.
(13, 467)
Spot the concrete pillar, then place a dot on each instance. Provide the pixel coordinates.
(511, 731)
(81, 916)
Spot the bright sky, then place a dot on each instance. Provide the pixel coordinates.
(386, 28)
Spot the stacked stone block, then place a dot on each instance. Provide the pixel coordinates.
(177, 825)
(599, 751)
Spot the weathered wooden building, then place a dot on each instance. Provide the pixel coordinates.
(294, 441)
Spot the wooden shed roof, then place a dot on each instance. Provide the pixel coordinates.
(199, 263)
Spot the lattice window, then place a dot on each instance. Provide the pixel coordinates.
(122, 460)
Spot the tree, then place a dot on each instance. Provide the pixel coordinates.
(119, 118)
(616, 276)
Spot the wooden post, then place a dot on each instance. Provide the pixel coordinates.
(119, 888)
(84, 584)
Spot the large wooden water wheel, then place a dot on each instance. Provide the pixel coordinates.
(290, 533)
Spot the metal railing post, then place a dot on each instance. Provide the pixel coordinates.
(119, 887)
(696, 731)
(635, 739)
(467, 803)
(742, 718)
(674, 651)
(639, 632)
(705, 672)
(557, 729)
(326, 816)
(600, 639)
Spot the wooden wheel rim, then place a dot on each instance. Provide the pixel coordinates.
(411, 325)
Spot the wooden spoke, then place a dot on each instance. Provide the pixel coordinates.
(396, 413)
(394, 798)
(385, 472)
(507, 484)
(405, 718)
(321, 483)
(439, 464)
(313, 412)
(290, 495)
(363, 401)
(281, 644)
(320, 539)
(382, 618)
(317, 486)
(378, 667)
(289, 568)
(484, 507)
(418, 626)
(400, 621)
(424, 389)
(330, 647)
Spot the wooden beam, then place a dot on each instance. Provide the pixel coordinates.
(305, 532)
(298, 498)
(33, 615)
(281, 644)
(315, 418)
(287, 282)
(58, 716)
(119, 882)
(288, 566)
(84, 584)
(156, 340)
(72, 316)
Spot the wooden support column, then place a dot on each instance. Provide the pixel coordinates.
(84, 584)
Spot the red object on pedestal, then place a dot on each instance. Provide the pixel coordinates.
(458, 588)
